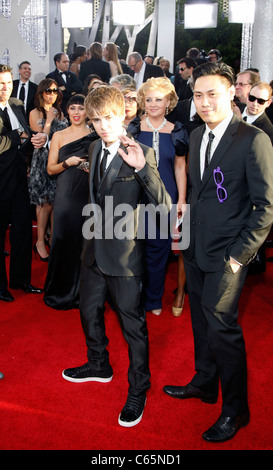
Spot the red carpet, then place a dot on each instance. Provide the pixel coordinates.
(42, 411)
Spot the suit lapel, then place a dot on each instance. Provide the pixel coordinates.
(195, 155)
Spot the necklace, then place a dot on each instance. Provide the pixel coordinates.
(156, 136)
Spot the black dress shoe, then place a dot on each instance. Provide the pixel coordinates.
(226, 427)
(26, 287)
(189, 391)
(6, 296)
(132, 411)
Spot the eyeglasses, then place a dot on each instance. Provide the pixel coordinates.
(130, 99)
(218, 180)
(133, 65)
(253, 98)
(241, 84)
(183, 68)
(48, 91)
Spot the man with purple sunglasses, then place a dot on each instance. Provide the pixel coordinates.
(231, 213)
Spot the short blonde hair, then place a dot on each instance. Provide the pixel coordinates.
(262, 85)
(105, 100)
(164, 85)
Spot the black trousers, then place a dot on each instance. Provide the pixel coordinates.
(127, 295)
(218, 339)
(16, 211)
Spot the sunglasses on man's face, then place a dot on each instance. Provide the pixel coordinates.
(48, 91)
(253, 98)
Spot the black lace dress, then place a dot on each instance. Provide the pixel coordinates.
(41, 186)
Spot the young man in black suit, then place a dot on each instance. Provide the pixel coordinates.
(15, 136)
(258, 100)
(113, 261)
(23, 88)
(68, 82)
(231, 213)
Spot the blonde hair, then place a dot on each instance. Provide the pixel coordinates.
(105, 100)
(112, 54)
(164, 85)
(261, 86)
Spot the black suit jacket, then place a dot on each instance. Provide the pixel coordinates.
(151, 71)
(238, 226)
(12, 156)
(72, 85)
(32, 88)
(120, 256)
(264, 123)
(95, 66)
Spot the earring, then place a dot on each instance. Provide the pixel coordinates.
(167, 111)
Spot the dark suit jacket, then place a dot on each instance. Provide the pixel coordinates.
(12, 158)
(151, 71)
(121, 256)
(32, 88)
(237, 227)
(96, 66)
(263, 122)
(72, 85)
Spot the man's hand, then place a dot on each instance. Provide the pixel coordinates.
(134, 156)
(38, 140)
(235, 266)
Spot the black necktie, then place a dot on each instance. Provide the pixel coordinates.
(208, 150)
(6, 119)
(245, 118)
(103, 162)
(22, 93)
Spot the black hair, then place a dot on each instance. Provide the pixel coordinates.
(213, 68)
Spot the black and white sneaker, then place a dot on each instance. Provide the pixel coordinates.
(86, 374)
(133, 410)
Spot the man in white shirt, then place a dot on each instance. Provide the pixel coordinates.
(15, 136)
(140, 70)
(23, 88)
(231, 213)
(258, 100)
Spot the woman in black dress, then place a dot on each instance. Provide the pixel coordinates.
(68, 149)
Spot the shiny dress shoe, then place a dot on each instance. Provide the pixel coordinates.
(226, 427)
(189, 391)
(132, 411)
(177, 311)
(27, 287)
(6, 296)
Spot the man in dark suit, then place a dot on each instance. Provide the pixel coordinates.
(258, 100)
(67, 81)
(113, 256)
(231, 213)
(95, 65)
(185, 68)
(24, 89)
(15, 136)
(141, 71)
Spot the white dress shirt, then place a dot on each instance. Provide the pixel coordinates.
(218, 132)
(138, 77)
